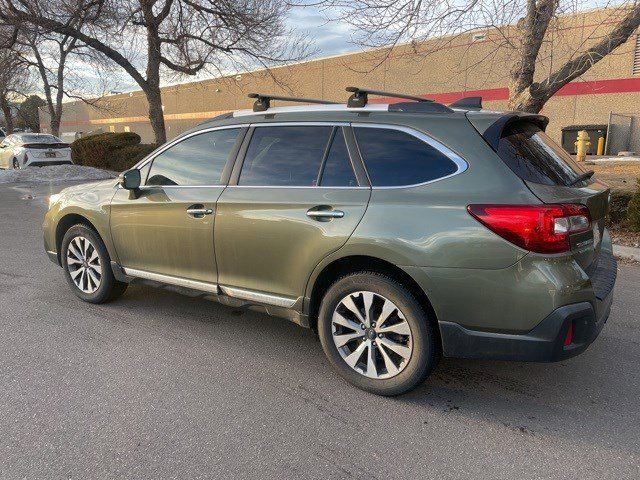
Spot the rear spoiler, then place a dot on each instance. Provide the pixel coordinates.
(44, 146)
(491, 127)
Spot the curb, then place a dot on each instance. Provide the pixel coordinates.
(627, 252)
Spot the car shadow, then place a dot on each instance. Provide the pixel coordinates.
(570, 399)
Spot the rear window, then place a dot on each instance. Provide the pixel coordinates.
(534, 157)
(396, 158)
(39, 139)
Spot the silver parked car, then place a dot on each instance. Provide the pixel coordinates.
(21, 150)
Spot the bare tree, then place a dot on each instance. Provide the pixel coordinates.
(520, 26)
(183, 37)
(14, 83)
(48, 54)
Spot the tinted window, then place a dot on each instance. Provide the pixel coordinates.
(534, 157)
(338, 171)
(285, 156)
(38, 139)
(197, 160)
(396, 158)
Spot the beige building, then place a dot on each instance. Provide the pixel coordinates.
(443, 69)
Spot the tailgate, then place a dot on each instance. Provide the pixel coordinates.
(550, 173)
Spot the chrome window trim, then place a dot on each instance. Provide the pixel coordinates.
(338, 107)
(293, 186)
(151, 187)
(299, 123)
(252, 295)
(461, 164)
(171, 280)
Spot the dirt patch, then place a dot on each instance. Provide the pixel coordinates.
(625, 237)
(618, 175)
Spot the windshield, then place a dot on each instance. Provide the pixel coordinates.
(39, 139)
(534, 157)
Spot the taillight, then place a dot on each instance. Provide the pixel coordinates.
(25, 159)
(537, 228)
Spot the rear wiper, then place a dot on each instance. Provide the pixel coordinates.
(584, 176)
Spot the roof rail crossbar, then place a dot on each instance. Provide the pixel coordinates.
(263, 101)
(360, 96)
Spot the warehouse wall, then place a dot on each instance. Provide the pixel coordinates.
(445, 69)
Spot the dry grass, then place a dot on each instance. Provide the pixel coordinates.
(618, 175)
(621, 236)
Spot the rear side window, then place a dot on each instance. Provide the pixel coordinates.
(195, 161)
(337, 170)
(285, 156)
(395, 158)
(534, 157)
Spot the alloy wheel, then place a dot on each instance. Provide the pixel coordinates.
(372, 335)
(83, 263)
(16, 165)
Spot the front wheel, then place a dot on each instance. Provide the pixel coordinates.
(88, 267)
(376, 334)
(16, 164)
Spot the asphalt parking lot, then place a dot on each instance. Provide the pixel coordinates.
(160, 385)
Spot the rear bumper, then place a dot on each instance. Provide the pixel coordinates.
(545, 342)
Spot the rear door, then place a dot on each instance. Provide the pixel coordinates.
(296, 195)
(6, 152)
(168, 228)
(554, 177)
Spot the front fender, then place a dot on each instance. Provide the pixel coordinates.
(76, 205)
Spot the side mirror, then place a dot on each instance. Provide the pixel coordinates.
(130, 180)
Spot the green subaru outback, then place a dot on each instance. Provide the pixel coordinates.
(400, 232)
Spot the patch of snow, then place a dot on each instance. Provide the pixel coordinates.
(54, 174)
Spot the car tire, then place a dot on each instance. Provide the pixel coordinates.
(87, 266)
(404, 326)
(16, 164)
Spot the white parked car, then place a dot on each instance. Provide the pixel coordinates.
(21, 150)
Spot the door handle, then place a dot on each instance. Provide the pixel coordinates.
(325, 214)
(198, 212)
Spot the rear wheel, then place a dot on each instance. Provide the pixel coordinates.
(88, 267)
(376, 334)
(16, 164)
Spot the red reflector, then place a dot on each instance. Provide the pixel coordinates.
(537, 228)
(568, 340)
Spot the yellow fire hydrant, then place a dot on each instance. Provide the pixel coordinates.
(582, 145)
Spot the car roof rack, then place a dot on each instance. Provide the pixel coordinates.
(263, 101)
(468, 103)
(360, 96)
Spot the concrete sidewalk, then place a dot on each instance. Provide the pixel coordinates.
(627, 252)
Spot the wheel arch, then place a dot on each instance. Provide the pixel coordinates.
(68, 221)
(322, 280)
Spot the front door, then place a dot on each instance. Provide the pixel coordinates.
(167, 228)
(298, 198)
